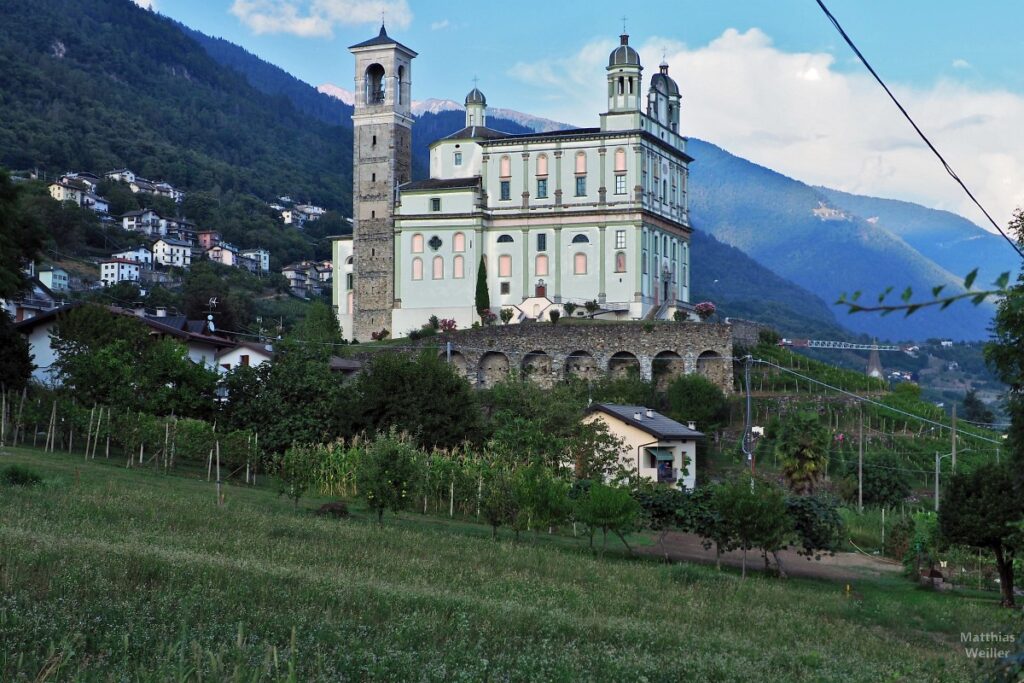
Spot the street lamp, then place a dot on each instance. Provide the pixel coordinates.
(938, 459)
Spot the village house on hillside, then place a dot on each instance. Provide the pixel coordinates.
(117, 270)
(657, 448)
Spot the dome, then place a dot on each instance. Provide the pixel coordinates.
(475, 97)
(663, 82)
(624, 55)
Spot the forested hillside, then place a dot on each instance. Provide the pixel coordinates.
(103, 84)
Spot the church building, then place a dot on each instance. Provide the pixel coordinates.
(588, 215)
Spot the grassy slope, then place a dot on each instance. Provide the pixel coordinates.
(135, 575)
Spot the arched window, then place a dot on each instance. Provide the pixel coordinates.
(375, 84)
(542, 164)
(438, 273)
(581, 162)
(458, 268)
(541, 265)
(620, 262)
(504, 266)
(459, 242)
(398, 85)
(581, 239)
(417, 243)
(506, 166)
(502, 239)
(622, 85)
(620, 160)
(579, 264)
(417, 268)
(348, 281)
(348, 261)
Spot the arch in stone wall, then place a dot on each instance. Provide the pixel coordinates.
(458, 362)
(493, 368)
(666, 366)
(623, 364)
(536, 367)
(582, 365)
(713, 367)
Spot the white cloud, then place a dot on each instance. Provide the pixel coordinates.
(438, 25)
(961, 64)
(795, 113)
(147, 4)
(317, 18)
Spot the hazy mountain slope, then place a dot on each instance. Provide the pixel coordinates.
(773, 219)
(103, 84)
(951, 241)
(743, 288)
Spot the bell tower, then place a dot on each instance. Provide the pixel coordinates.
(382, 160)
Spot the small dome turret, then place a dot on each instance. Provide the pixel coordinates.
(663, 82)
(475, 97)
(624, 54)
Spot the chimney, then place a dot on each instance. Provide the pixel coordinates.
(650, 413)
(138, 308)
(692, 425)
(161, 312)
(638, 415)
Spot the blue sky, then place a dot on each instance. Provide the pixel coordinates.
(771, 81)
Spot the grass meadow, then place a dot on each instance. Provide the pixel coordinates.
(108, 574)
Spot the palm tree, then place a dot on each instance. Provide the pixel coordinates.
(803, 451)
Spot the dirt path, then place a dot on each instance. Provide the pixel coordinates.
(839, 567)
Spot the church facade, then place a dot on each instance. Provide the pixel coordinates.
(590, 215)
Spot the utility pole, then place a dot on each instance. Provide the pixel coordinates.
(448, 352)
(953, 430)
(860, 464)
(936, 481)
(748, 361)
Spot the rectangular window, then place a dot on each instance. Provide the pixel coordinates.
(644, 261)
(581, 186)
(542, 241)
(435, 204)
(504, 266)
(505, 288)
(620, 183)
(458, 158)
(542, 188)
(506, 190)
(620, 239)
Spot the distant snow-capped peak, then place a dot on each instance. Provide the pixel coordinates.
(337, 92)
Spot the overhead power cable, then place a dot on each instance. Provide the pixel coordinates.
(906, 114)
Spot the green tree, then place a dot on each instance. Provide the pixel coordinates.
(756, 516)
(386, 474)
(423, 396)
(975, 409)
(297, 469)
(817, 525)
(21, 238)
(981, 509)
(608, 508)
(1005, 353)
(543, 497)
(802, 448)
(695, 398)
(885, 479)
(663, 509)
(16, 360)
(499, 504)
(483, 296)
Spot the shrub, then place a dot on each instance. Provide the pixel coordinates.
(434, 322)
(16, 475)
(592, 306)
(680, 316)
(569, 308)
(554, 315)
(507, 314)
(448, 325)
(380, 336)
(705, 309)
